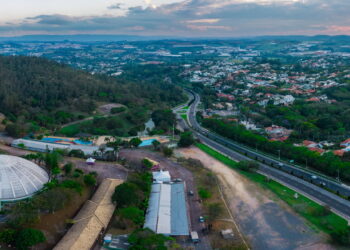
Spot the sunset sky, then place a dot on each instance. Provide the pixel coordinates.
(187, 18)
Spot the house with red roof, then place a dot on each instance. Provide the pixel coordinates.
(345, 143)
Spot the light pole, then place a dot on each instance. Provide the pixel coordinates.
(338, 178)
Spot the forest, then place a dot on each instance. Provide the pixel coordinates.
(37, 93)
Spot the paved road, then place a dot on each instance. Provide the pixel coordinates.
(293, 177)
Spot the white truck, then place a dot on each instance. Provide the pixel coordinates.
(194, 237)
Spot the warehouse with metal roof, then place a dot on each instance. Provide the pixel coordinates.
(20, 178)
(167, 213)
(41, 146)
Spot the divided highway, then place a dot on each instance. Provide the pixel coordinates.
(298, 179)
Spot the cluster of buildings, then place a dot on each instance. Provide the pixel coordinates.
(323, 147)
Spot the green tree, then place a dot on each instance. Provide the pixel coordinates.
(127, 194)
(156, 144)
(147, 163)
(72, 185)
(167, 151)
(135, 142)
(29, 237)
(8, 236)
(146, 239)
(132, 213)
(204, 193)
(89, 180)
(186, 139)
(68, 168)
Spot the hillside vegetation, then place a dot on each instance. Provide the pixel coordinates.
(36, 92)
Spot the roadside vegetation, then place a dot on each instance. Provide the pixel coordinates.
(320, 217)
(328, 163)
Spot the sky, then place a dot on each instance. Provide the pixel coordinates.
(181, 18)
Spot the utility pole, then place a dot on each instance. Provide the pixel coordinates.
(279, 154)
(338, 178)
(173, 131)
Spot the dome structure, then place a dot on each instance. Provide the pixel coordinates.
(20, 178)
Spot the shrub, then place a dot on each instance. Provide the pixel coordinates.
(132, 213)
(76, 153)
(89, 180)
(8, 236)
(72, 185)
(167, 151)
(68, 168)
(126, 194)
(248, 166)
(29, 237)
(204, 193)
(186, 139)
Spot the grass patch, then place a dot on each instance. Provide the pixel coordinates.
(184, 116)
(310, 210)
(186, 108)
(70, 130)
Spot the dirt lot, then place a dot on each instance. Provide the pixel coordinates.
(104, 169)
(267, 222)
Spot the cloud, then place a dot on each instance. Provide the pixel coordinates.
(116, 6)
(212, 20)
(216, 18)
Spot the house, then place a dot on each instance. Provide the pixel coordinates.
(318, 150)
(278, 133)
(345, 143)
(310, 144)
(339, 152)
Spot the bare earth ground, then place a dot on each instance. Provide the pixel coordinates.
(103, 169)
(267, 222)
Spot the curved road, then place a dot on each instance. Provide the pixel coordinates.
(293, 177)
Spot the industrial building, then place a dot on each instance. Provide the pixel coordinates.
(40, 146)
(167, 213)
(19, 178)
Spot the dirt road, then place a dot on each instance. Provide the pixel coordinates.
(267, 222)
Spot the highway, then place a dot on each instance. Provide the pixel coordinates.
(300, 180)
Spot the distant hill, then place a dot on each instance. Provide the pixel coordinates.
(45, 93)
(79, 38)
(115, 38)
